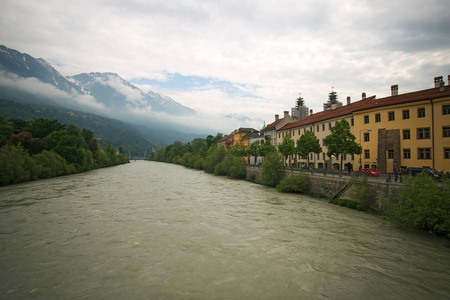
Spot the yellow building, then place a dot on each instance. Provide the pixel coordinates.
(407, 130)
(241, 137)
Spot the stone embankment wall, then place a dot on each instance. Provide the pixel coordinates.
(332, 185)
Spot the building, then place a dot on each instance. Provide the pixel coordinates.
(270, 132)
(321, 123)
(242, 136)
(300, 111)
(406, 130)
(226, 141)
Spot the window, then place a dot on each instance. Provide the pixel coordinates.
(446, 109)
(390, 154)
(377, 118)
(391, 116)
(421, 112)
(423, 133)
(312, 156)
(366, 119)
(406, 114)
(366, 154)
(299, 132)
(446, 153)
(345, 156)
(406, 134)
(323, 127)
(353, 156)
(352, 122)
(366, 137)
(329, 125)
(424, 153)
(323, 156)
(446, 132)
(304, 130)
(318, 128)
(407, 153)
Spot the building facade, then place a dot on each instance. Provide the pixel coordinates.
(407, 130)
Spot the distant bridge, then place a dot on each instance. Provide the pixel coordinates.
(138, 158)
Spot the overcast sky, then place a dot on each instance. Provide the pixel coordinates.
(240, 57)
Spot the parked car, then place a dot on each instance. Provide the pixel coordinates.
(370, 172)
(414, 171)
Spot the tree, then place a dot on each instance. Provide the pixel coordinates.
(341, 141)
(287, 148)
(272, 169)
(40, 128)
(308, 143)
(32, 145)
(266, 148)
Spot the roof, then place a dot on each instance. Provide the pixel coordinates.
(428, 94)
(242, 129)
(371, 102)
(271, 126)
(330, 114)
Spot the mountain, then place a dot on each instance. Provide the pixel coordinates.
(27, 66)
(115, 93)
(28, 80)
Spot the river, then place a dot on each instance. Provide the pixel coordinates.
(148, 230)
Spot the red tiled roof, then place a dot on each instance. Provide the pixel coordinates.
(408, 97)
(224, 138)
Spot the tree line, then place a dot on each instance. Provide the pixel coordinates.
(195, 154)
(44, 148)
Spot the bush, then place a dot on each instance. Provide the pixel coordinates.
(272, 169)
(421, 204)
(297, 184)
(363, 194)
(214, 159)
(238, 171)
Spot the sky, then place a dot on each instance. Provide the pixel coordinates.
(249, 58)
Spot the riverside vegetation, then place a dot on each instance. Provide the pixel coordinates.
(421, 203)
(43, 148)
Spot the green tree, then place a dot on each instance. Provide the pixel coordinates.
(40, 128)
(287, 148)
(308, 143)
(272, 170)
(341, 141)
(5, 131)
(90, 140)
(18, 124)
(423, 204)
(214, 159)
(160, 154)
(266, 148)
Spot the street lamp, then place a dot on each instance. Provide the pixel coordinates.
(360, 144)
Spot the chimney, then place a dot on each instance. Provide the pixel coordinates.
(363, 96)
(442, 87)
(310, 111)
(286, 114)
(437, 81)
(277, 117)
(394, 90)
(348, 100)
(448, 78)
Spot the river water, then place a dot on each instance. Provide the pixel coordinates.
(148, 230)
